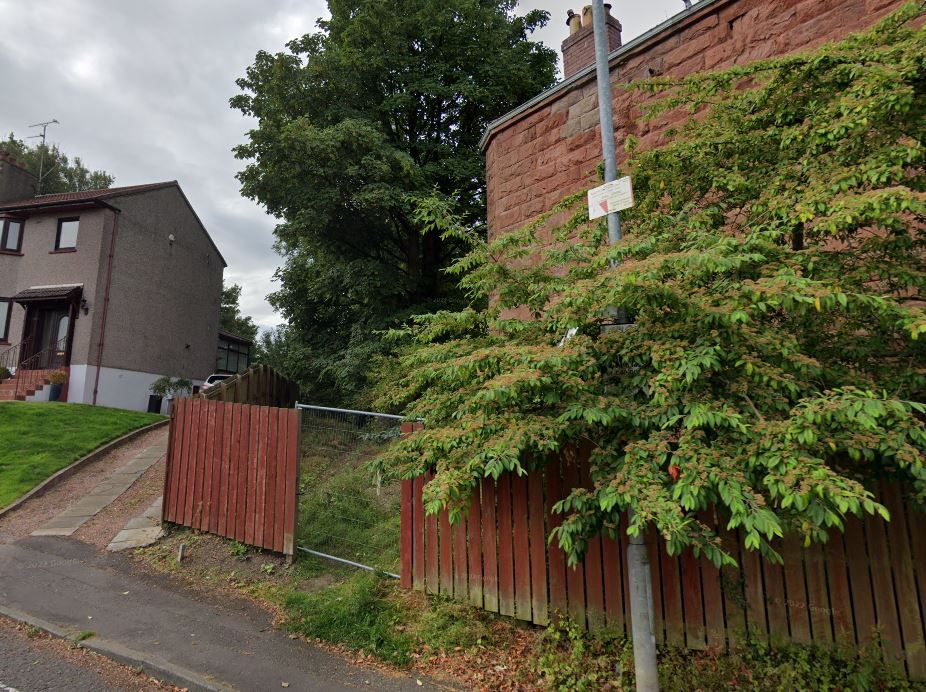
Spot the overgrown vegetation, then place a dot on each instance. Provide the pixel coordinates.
(569, 659)
(775, 270)
(38, 439)
(383, 105)
(368, 613)
(340, 511)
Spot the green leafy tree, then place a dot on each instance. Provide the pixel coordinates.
(231, 319)
(775, 269)
(59, 173)
(385, 104)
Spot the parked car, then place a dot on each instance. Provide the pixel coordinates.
(213, 380)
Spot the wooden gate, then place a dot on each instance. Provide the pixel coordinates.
(232, 470)
(866, 585)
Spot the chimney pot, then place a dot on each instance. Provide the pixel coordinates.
(587, 17)
(579, 46)
(574, 22)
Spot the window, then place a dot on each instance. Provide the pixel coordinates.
(67, 234)
(233, 356)
(11, 235)
(6, 311)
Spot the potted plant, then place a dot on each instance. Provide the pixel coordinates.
(160, 388)
(177, 388)
(57, 379)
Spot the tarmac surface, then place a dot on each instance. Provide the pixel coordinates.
(26, 668)
(190, 639)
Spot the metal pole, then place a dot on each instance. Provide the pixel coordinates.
(44, 126)
(641, 585)
(605, 115)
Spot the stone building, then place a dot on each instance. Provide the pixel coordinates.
(550, 146)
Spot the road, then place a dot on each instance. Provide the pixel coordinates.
(31, 661)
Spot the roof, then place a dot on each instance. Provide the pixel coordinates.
(101, 198)
(64, 198)
(582, 75)
(229, 336)
(8, 158)
(38, 293)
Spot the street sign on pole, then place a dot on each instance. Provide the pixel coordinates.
(610, 197)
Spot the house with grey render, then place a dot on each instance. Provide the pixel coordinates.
(118, 287)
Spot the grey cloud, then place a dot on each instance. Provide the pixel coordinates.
(142, 88)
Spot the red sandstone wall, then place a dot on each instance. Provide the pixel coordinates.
(536, 159)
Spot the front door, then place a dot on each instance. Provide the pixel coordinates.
(47, 337)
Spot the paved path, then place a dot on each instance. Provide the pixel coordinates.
(140, 531)
(195, 639)
(103, 495)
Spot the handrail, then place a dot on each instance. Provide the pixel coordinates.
(9, 359)
(32, 369)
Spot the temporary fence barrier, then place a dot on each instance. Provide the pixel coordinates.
(347, 513)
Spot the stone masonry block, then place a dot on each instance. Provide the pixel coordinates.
(535, 161)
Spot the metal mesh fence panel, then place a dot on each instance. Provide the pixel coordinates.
(346, 513)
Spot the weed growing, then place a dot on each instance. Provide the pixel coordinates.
(369, 613)
(570, 659)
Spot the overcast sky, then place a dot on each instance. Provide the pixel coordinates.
(141, 89)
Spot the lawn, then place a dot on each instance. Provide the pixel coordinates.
(38, 439)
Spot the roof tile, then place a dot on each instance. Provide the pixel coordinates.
(84, 196)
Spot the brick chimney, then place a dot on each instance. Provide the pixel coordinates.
(15, 181)
(579, 48)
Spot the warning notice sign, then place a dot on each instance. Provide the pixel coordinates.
(610, 197)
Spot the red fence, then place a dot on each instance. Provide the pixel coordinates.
(868, 582)
(232, 470)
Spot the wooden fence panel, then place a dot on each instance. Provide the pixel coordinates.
(474, 549)
(489, 545)
(522, 556)
(498, 556)
(671, 586)
(882, 589)
(505, 546)
(538, 549)
(232, 470)
(432, 573)
(838, 588)
(555, 555)
(460, 561)
(445, 541)
(911, 623)
(260, 385)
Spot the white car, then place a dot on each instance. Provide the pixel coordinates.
(212, 381)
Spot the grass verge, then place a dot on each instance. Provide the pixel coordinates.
(39, 439)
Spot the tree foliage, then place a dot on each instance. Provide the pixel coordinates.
(384, 104)
(774, 267)
(59, 173)
(231, 319)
